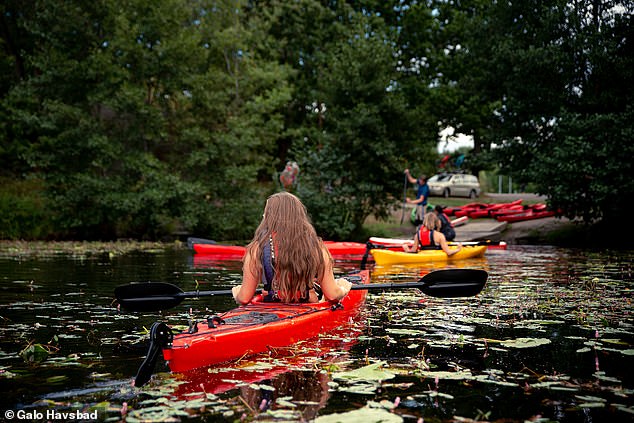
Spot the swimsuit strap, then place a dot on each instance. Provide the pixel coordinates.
(268, 262)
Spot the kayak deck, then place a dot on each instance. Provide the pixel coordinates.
(385, 257)
(258, 327)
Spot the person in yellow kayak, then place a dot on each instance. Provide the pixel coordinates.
(288, 257)
(428, 236)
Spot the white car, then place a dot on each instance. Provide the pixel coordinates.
(454, 185)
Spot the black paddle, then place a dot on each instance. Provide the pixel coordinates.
(448, 283)
(476, 243)
(191, 241)
(404, 198)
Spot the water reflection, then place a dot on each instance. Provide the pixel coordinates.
(551, 336)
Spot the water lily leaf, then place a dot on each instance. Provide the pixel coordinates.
(283, 414)
(613, 341)
(591, 405)
(360, 388)
(525, 342)
(56, 379)
(624, 408)
(34, 353)
(564, 388)
(261, 387)
(602, 376)
(488, 379)
(361, 415)
(397, 331)
(6, 374)
(436, 394)
(460, 375)
(589, 398)
(281, 402)
(372, 372)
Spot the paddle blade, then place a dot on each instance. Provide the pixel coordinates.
(453, 283)
(148, 296)
(191, 241)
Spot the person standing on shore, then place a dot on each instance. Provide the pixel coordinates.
(422, 192)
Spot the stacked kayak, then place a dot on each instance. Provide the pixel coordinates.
(386, 257)
(526, 215)
(477, 210)
(504, 212)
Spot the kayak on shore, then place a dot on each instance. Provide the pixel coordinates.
(386, 257)
(503, 212)
(528, 215)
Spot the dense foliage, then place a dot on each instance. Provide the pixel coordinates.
(143, 118)
(558, 77)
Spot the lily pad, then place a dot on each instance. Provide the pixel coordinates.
(525, 342)
(34, 353)
(361, 415)
(372, 372)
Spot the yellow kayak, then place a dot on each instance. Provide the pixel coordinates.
(386, 257)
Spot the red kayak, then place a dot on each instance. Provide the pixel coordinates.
(476, 210)
(326, 350)
(529, 215)
(237, 252)
(257, 327)
(261, 326)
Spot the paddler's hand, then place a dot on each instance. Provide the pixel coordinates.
(344, 286)
(235, 291)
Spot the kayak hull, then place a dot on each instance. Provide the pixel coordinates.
(258, 327)
(220, 249)
(520, 217)
(387, 257)
(396, 244)
(235, 251)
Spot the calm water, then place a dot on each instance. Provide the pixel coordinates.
(549, 339)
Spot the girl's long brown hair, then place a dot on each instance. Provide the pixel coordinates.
(298, 250)
(431, 221)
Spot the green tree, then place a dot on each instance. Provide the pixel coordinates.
(361, 134)
(548, 84)
(565, 121)
(143, 117)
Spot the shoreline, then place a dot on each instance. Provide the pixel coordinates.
(558, 231)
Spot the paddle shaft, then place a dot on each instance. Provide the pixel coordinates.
(400, 285)
(404, 198)
(448, 283)
(450, 243)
